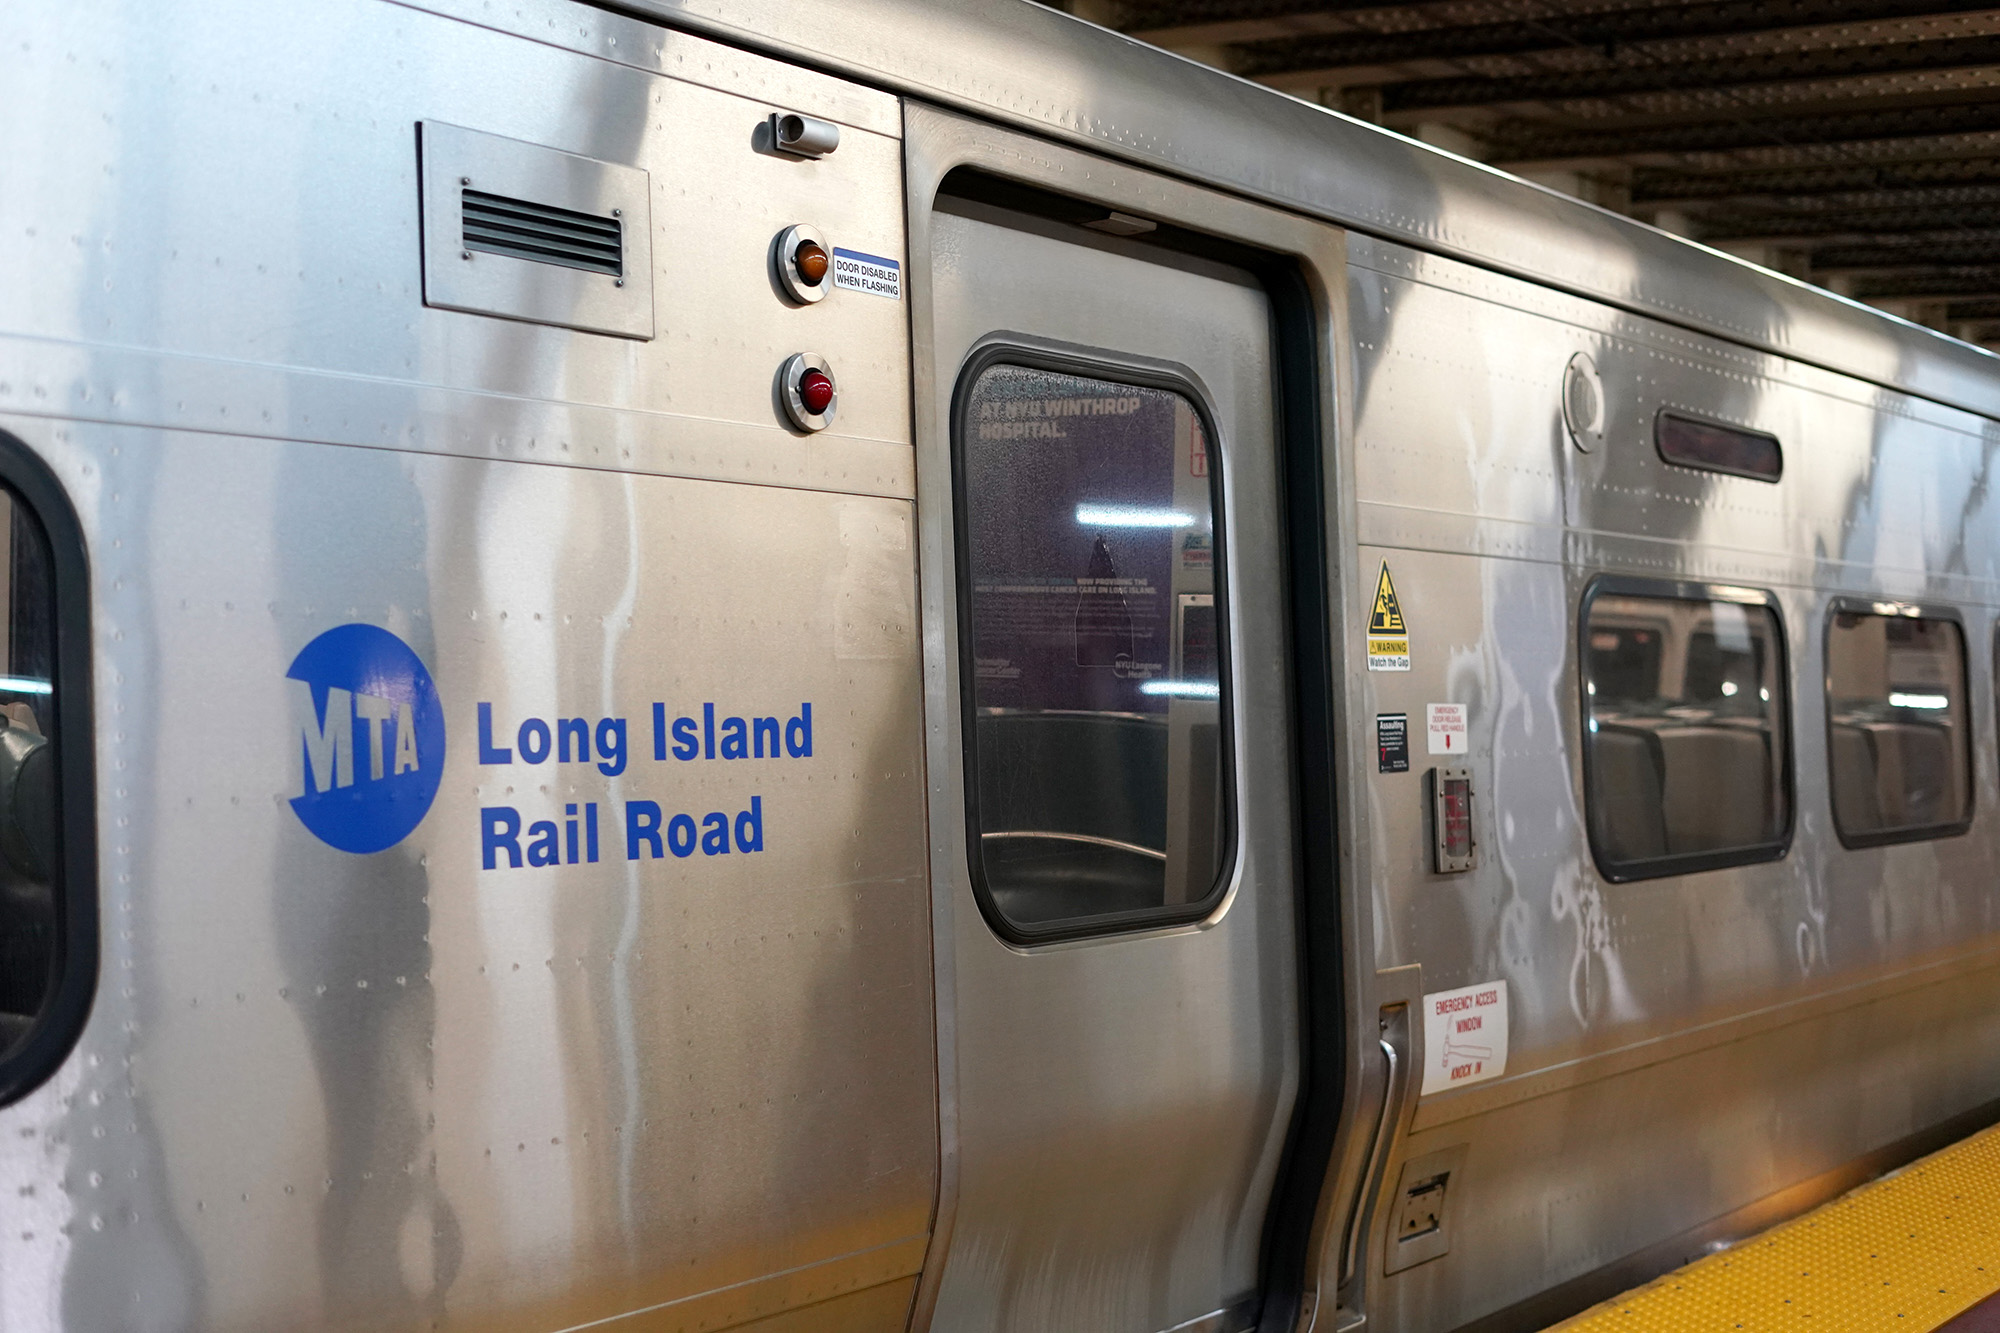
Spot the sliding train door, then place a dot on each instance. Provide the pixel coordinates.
(1112, 768)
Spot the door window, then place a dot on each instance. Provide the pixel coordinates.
(1094, 661)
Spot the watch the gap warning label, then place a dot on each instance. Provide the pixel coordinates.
(867, 273)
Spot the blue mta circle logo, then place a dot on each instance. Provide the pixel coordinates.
(369, 737)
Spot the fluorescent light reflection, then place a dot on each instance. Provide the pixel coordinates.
(1182, 689)
(25, 685)
(1128, 516)
(1898, 699)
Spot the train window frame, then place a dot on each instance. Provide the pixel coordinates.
(1889, 609)
(73, 987)
(1032, 353)
(1686, 863)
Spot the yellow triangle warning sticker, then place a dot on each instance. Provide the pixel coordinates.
(1387, 617)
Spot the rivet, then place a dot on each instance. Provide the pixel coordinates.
(465, 254)
(465, 180)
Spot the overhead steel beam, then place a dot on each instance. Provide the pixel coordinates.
(1530, 142)
(1653, 77)
(1922, 211)
(1175, 26)
(1150, 16)
(1596, 28)
(1654, 185)
(1981, 282)
(1974, 246)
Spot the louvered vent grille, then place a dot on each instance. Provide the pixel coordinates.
(498, 225)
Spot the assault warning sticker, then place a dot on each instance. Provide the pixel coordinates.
(1465, 1036)
(867, 273)
(1392, 742)
(1388, 637)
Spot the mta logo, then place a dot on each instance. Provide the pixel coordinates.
(368, 735)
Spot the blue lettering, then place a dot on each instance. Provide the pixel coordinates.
(686, 744)
(799, 733)
(499, 830)
(735, 739)
(715, 834)
(750, 827)
(611, 746)
(680, 836)
(569, 834)
(590, 833)
(565, 729)
(708, 731)
(760, 728)
(543, 851)
(642, 824)
(537, 731)
(488, 754)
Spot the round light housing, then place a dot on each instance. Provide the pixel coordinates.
(806, 390)
(803, 263)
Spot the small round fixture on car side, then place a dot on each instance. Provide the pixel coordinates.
(803, 136)
(803, 263)
(805, 387)
(1583, 402)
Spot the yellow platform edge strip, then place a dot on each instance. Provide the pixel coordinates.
(1909, 1251)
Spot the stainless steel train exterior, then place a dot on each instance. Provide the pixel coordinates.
(524, 829)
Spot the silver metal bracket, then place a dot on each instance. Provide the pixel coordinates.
(803, 136)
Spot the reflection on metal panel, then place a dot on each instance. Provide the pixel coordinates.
(1121, 1101)
(299, 249)
(1770, 1021)
(1081, 84)
(329, 1088)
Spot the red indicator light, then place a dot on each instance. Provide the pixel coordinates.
(815, 391)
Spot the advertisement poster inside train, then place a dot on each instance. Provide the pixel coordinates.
(1090, 544)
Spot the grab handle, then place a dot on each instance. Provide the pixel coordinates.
(1395, 1029)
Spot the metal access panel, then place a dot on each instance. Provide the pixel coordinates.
(526, 232)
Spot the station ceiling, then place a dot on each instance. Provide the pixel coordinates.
(1853, 143)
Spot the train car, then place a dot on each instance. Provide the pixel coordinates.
(783, 665)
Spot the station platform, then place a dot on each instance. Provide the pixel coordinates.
(1918, 1249)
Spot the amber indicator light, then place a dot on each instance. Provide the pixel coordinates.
(810, 260)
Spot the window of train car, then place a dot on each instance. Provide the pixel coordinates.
(1899, 743)
(1687, 752)
(48, 936)
(1095, 676)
